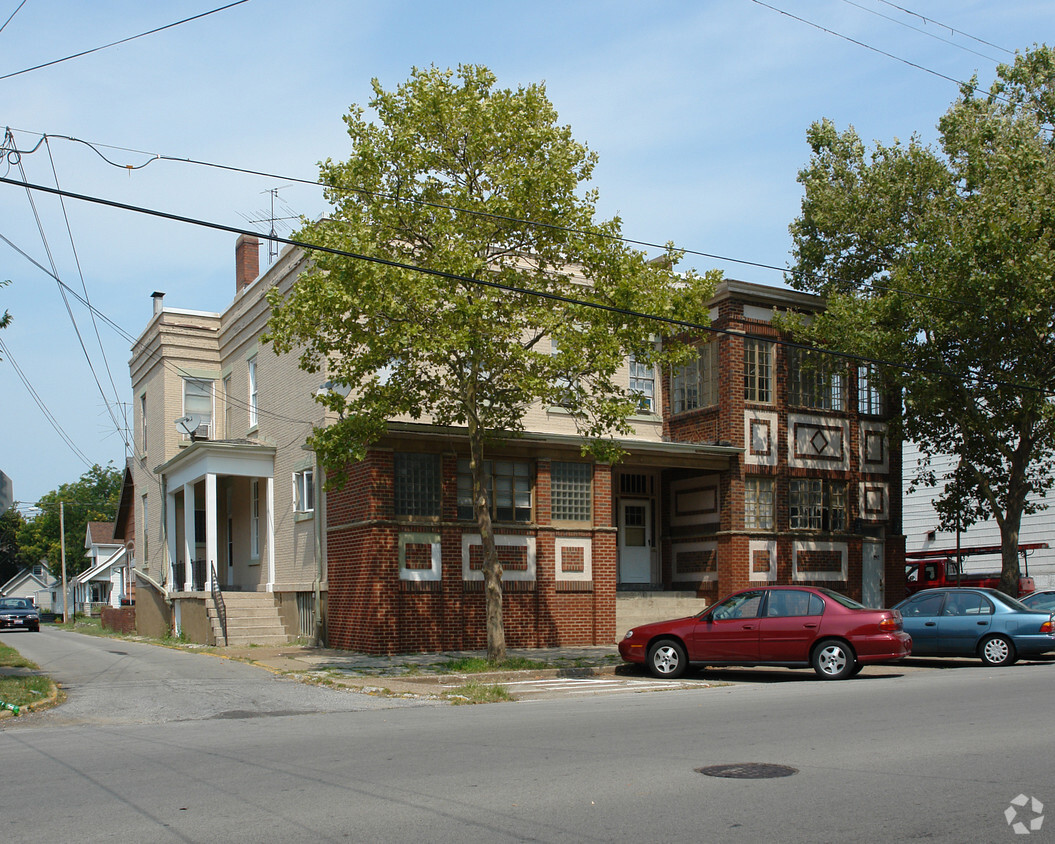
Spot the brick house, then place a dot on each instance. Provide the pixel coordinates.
(750, 464)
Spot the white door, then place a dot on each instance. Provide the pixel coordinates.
(635, 541)
(872, 582)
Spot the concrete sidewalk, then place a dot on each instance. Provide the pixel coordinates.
(419, 673)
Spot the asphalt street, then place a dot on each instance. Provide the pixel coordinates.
(925, 753)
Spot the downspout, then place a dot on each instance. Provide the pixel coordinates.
(319, 564)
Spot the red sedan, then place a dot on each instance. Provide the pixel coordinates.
(791, 626)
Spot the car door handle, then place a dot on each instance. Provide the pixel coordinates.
(930, 624)
(810, 625)
(748, 627)
(982, 623)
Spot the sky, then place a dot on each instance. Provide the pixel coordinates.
(698, 112)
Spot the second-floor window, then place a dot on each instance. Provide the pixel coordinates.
(869, 391)
(817, 504)
(253, 420)
(758, 370)
(643, 385)
(695, 384)
(197, 401)
(815, 380)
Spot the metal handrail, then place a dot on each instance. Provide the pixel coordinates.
(221, 607)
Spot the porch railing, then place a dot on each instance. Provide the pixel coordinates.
(179, 575)
(217, 597)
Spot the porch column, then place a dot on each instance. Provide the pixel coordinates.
(170, 539)
(210, 530)
(270, 533)
(189, 538)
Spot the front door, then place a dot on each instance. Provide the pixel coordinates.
(635, 541)
(872, 582)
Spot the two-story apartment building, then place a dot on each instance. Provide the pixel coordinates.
(750, 464)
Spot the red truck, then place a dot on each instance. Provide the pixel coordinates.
(928, 569)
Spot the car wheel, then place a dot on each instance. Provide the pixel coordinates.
(667, 659)
(35, 628)
(997, 650)
(834, 660)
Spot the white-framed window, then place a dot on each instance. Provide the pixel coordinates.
(816, 380)
(304, 491)
(197, 401)
(758, 504)
(143, 423)
(643, 385)
(817, 504)
(571, 491)
(253, 420)
(417, 485)
(508, 486)
(869, 391)
(227, 406)
(254, 519)
(695, 384)
(758, 370)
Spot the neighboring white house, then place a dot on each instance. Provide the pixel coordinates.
(36, 583)
(920, 525)
(107, 578)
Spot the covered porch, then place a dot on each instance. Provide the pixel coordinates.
(220, 517)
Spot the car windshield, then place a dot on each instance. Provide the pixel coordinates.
(14, 604)
(849, 603)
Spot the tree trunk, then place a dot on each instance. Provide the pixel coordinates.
(496, 636)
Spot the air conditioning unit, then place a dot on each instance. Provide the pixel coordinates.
(201, 432)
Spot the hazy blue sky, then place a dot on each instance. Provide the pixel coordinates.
(698, 111)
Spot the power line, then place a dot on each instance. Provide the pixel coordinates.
(508, 288)
(121, 41)
(954, 31)
(921, 31)
(440, 206)
(9, 17)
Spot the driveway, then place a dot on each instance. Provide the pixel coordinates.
(114, 681)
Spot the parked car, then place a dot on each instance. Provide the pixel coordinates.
(1042, 599)
(791, 626)
(19, 612)
(956, 621)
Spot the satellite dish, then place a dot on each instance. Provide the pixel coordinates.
(188, 424)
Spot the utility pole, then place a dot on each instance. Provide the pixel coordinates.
(62, 545)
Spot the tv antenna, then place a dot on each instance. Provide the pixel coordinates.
(269, 217)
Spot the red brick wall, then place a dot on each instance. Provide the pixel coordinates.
(122, 619)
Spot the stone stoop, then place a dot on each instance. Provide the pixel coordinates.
(252, 619)
(636, 608)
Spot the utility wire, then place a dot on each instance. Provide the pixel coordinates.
(921, 31)
(954, 31)
(16, 154)
(508, 288)
(122, 41)
(43, 407)
(15, 12)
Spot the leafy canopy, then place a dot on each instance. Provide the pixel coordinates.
(483, 185)
(943, 260)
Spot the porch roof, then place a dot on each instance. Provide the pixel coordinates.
(654, 453)
(102, 569)
(243, 458)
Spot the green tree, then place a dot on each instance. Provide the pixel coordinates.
(943, 260)
(93, 498)
(11, 558)
(444, 181)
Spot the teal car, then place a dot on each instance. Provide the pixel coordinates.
(986, 623)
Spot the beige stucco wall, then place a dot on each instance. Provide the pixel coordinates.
(153, 613)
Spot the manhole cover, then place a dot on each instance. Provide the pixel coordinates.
(748, 771)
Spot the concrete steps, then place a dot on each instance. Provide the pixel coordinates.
(252, 619)
(636, 608)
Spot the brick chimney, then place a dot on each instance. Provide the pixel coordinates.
(246, 261)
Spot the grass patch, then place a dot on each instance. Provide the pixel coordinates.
(10, 658)
(477, 692)
(22, 691)
(479, 665)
